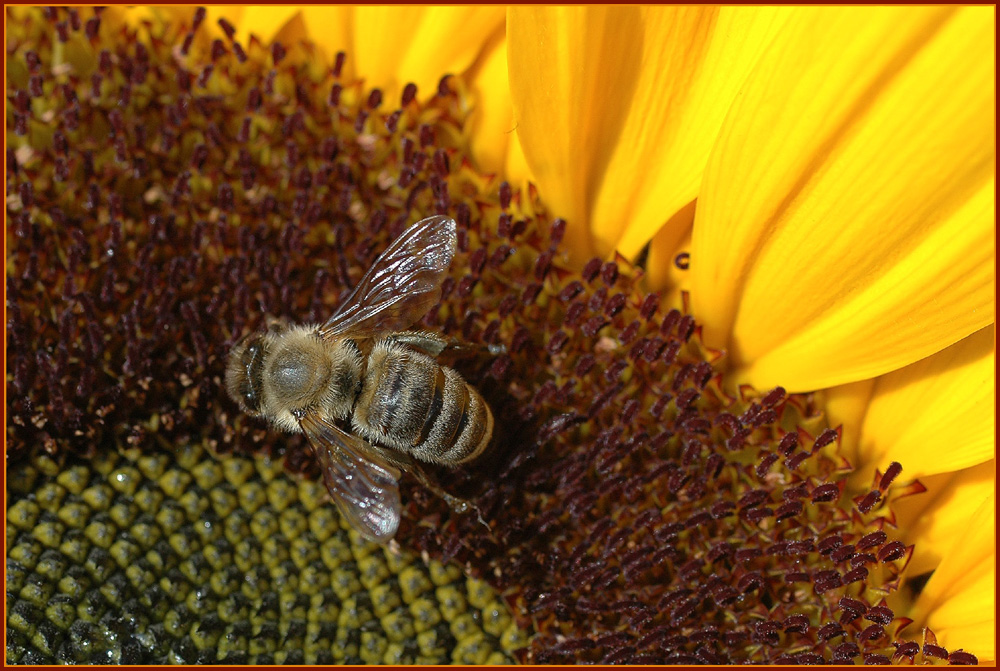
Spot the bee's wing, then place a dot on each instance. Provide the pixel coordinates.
(362, 485)
(401, 286)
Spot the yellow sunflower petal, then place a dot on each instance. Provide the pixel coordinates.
(845, 224)
(663, 271)
(493, 130)
(517, 164)
(491, 124)
(959, 601)
(327, 27)
(399, 44)
(617, 108)
(165, 14)
(115, 16)
(389, 46)
(681, 99)
(264, 22)
(936, 415)
(929, 519)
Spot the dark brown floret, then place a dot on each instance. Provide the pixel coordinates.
(960, 657)
(894, 469)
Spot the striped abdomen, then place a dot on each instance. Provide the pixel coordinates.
(410, 402)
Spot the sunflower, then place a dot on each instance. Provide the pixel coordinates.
(831, 173)
(828, 172)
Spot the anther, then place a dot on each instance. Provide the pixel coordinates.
(333, 100)
(227, 28)
(591, 270)
(338, 64)
(894, 469)
(825, 439)
(869, 501)
(238, 51)
(443, 88)
(278, 53)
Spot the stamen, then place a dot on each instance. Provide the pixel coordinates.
(338, 64)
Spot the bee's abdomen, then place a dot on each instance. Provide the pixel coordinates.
(411, 403)
(458, 424)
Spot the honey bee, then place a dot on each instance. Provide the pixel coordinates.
(369, 395)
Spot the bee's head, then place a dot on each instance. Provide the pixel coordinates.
(245, 371)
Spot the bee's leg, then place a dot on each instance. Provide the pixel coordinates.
(431, 343)
(434, 345)
(406, 463)
(460, 506)
(455, 503)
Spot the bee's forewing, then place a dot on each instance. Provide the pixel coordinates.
(364, 487)
(401, 286)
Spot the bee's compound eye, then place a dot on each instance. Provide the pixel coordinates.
(250, 399)
(251, 360)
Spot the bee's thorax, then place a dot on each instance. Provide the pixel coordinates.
(305, 372)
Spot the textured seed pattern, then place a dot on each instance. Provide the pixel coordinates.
(184, 558)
